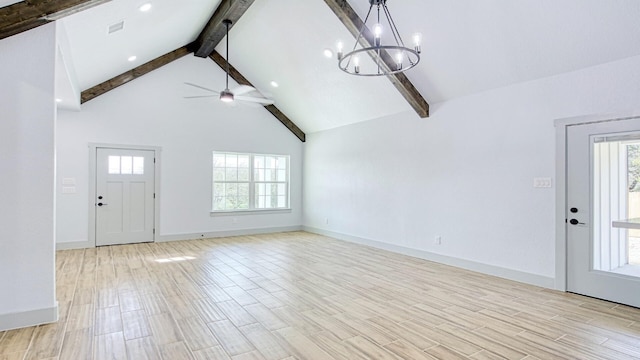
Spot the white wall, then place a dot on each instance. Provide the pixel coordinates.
(151, 111)
(465, 174)
(27, 119)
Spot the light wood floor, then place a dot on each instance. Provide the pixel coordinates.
(303, 296)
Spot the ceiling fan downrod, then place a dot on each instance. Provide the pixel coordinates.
(226, 95)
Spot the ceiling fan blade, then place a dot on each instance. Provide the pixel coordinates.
(255, 100)
(201, 87)
(199, 96)
(242, 89)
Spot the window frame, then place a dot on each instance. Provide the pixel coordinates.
(252, 185)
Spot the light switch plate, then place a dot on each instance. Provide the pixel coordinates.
(542, 182)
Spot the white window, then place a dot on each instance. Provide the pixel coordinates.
(244, 182)
(126, 165)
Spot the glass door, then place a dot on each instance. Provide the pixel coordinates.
(603, 214)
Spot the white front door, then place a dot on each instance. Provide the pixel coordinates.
(124, 204)
(602, 174)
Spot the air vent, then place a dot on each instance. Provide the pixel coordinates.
(116, 27)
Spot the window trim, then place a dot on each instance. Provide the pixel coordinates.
(249, 212)
(252, 186)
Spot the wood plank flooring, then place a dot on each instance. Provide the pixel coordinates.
(303, 296)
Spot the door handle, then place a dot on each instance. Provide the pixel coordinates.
(102, 204)
(575, 222)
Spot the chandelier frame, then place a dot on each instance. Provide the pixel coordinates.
(379, 53)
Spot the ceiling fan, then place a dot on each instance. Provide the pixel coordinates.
(237, 93)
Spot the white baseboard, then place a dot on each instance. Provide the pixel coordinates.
(193, 236)
(520, 276)
(28, 318)
(217, 234)
(74, 245)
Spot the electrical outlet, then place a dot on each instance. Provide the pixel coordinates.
(437, 240)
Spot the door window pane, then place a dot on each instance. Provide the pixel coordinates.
(616, 199)
(114, 164)
(126, 165)
(138, 165)
(633, 201)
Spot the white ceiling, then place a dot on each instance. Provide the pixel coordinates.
(312, 92)
(4, 3)
(99, 56)
(469, 46)
(472, 46)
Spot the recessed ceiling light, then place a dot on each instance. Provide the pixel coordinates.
(328, 53)
(145, 7)
(274, 84)
(132, 58)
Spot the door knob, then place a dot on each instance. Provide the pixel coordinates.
(101, 204)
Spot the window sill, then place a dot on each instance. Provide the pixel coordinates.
(249, 212)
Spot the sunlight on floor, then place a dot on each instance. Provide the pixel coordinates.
(174, 259)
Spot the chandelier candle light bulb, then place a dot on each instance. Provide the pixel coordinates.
(379, 59)
(399, 57)
(417, 42)
(377, 31)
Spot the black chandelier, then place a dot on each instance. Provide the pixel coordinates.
(379, 59)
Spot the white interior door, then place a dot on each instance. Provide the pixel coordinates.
(601, 259)
(124, 203)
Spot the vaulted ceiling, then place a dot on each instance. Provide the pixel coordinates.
(469, 46)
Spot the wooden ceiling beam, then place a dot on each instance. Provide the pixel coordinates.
(30, 14)
(137, 72)
(241, 80)
(215, 30)
(353, 23)
(133, 74)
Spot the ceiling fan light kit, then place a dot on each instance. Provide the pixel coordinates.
(226, 95)
(385, 59)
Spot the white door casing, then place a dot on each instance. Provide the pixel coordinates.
(124, 196)
(583, 276)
